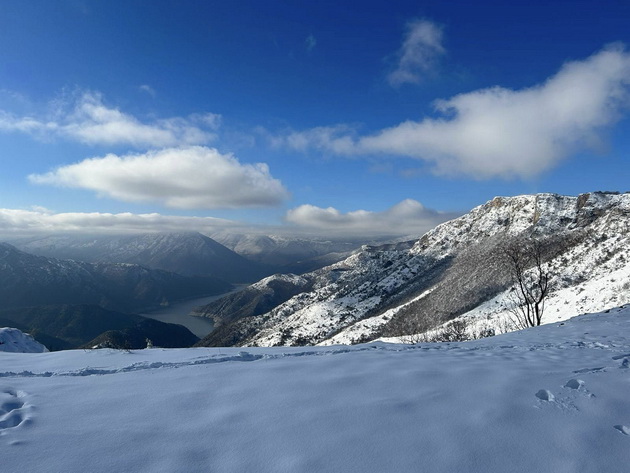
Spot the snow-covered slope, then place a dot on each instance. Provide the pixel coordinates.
(588, 256)
(255, 299)
(15, 341)
(456, 269)
(552, 398)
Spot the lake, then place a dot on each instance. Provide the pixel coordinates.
(178, 313)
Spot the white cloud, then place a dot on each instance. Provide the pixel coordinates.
(408, 217)
(16, 222)
(499, 132)
(88, 120)
(337, 139)
(147, 89)
(192, 177)
(310, 42)
(418, 54)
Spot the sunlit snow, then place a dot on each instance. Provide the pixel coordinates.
(552, 398)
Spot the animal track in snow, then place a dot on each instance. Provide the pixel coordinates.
(12, 409)
(574, 384)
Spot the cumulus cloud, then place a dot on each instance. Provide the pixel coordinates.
(408, 217)
(418, 54)
(187, 178)
(85, 118)
(499, 132)
(17, 222)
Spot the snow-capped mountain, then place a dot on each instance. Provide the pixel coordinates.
(187, 253)
(458, 270)
(292, 254)
(27, 280)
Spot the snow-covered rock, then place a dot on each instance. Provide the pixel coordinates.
(15, 341)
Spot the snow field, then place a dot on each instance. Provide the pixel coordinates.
(553, 398)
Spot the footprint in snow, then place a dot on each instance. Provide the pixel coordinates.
(13, 409)
(579, 385)
(574, 384)
(624, 429)
(545, 395)
(625, 362)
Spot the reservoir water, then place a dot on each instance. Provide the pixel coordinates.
(178, 313)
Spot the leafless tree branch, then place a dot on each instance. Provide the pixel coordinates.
(530, 281)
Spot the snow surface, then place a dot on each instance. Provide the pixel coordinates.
(15, 341)
(552, 398)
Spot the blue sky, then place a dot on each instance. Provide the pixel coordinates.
(334, 118)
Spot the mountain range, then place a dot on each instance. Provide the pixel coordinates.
(186, 253)
(28, 280)
(455, 271)
(91, 285)
(289, 254)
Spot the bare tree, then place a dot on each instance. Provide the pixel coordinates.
(530, 281)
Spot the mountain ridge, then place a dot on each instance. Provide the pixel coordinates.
(186, 253)
(450, 271)
(30, 280)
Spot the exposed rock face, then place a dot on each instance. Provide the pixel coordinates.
(454, 270)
